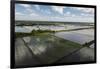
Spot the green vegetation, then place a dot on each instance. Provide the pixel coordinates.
(49, 48)
(34, 32)
(39, 32)
(31, 23)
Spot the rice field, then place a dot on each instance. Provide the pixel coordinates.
(79, 36)
(49, 48)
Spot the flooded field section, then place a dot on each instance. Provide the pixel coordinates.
(44, 49)
(78, 36)
(52, 48)
(28, 29)
(48, 49)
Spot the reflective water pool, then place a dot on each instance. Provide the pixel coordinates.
(28, 29)
(46, 49)
(78, 36)
(51, 48)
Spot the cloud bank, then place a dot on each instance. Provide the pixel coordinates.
(53, 13)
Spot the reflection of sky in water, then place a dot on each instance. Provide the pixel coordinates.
(22, 29)
(37, 50)
(76, 36)
(48, 48)
(41, 49)
(35, 44)
(92, 46)
(27, 39)
(28, 29)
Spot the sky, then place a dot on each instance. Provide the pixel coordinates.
(35, 12)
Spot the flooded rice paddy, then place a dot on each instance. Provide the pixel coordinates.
(47, 49)
(79, 36)
(60, 47)
(28, 29)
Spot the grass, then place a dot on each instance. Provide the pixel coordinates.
(33, 33)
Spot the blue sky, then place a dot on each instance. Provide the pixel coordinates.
(35, 12)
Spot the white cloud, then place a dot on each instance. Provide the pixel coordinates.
(87, 15)
(37, 7)
(73, 15)
(68, 13)
(83, 14)
(87, 10)
(33, 14)
(18, 13)
(46, 11)
(25, 5)
(58, 9)
(29, 10)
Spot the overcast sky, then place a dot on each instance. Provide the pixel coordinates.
(53, 13)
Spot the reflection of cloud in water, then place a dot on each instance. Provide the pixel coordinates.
(42, 48)
(27, 39)
(79, 36)
(28, 29)
(22, 29)
(37, 50)
(34, 45)
(37, 39)
(92, 46)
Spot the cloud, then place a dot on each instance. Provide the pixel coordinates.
(46, 12)
(87, 15)
(73, 14)
(83, 14)
(86, 10)
(18, 13)
(29, 10)
(25, 5)
(68, 13)
(58, 9)
(34, 14)
(37, 7)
